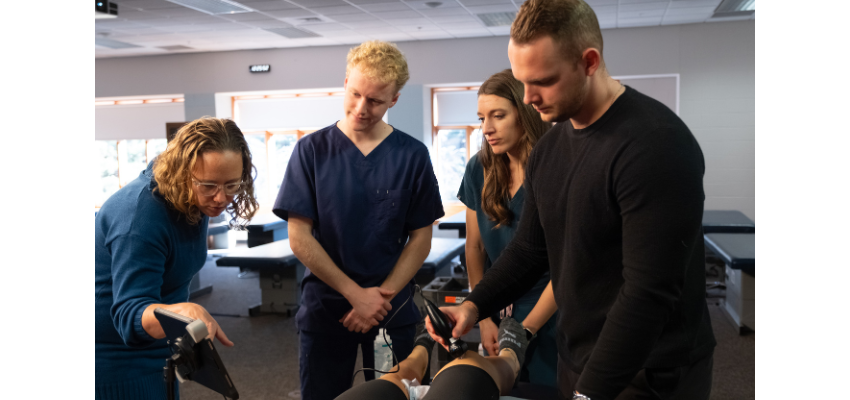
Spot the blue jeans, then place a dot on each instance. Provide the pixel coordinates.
(327, 360)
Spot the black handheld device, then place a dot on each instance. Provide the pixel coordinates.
(193, 355)
(457, 347)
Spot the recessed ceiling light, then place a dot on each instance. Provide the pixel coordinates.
(735, 8)
(213, 7)
(497, 18)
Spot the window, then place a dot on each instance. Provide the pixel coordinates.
(270, 153)
(121, 161)
(273, 123)
(456, 136)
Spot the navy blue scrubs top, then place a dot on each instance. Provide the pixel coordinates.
(362, 209)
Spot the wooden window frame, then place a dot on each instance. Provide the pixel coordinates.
(436, 128)
(118, 159)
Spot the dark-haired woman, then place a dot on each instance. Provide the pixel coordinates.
(150, 240)
(493, 194)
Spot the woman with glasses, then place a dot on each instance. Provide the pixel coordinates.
(150, 240)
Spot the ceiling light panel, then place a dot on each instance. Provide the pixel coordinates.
(497, 19)
(214, 7)
(292, 33)
(113, 44)
(735, 8)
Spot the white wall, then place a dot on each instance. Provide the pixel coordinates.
(715, 62)
(142, 121)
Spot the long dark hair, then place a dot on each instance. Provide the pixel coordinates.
(497, 171)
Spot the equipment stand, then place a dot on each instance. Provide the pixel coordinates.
(169, 376)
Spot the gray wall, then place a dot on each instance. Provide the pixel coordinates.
(716, 63)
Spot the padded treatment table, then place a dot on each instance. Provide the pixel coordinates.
(195, 287)
(266, 228)
(457, 221)
(738, 252)
(218, 229)
(280, 275)
(726, 221)
(439, 261)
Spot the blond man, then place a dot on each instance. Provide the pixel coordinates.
(613, 210)
(360, 197)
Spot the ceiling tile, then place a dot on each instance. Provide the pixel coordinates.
(392, 37)
(250, 16)
(460, 26)
(339, 33)
(422, 4)
(430, 35)
(678, 20)
(323, 27)
(594, 3)
(635, 22)
(134, 15)
(695, 3)
(500, 30)
(390, 15)
(359, 2)
(271, 5)
(409, 21)
(492, 9)
(640, 14)
(273, 23)
(437, 12)
(466, 32)
(145, 4)
(622, 2)
(336, 10)
(293, 13)
(175, 12)
(384, 7)
(484, 2)
(707, 11)
(353, 17)
(375, 31)
(455, 18)
(318, 3)
(366, 24)
(656, 5)
(419, 28)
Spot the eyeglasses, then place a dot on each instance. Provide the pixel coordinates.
(210, 189)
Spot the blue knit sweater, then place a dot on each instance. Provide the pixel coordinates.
(145, 253)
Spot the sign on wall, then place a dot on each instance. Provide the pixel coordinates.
(260, 68)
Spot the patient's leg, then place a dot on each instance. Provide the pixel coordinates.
(413, 367)
(503, 368)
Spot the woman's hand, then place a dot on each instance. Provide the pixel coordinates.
(191, 310)
(489, 336)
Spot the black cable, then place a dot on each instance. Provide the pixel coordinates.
(395, 358)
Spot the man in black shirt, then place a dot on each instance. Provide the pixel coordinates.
(613, 208)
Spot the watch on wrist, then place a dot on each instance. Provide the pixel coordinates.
(579, 396)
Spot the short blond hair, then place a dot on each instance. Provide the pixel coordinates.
(572, 24)
(379, 60)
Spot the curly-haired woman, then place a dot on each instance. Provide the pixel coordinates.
(150, 240)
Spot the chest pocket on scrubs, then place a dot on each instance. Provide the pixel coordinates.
(390, 212)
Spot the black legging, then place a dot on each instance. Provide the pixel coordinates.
(458, 382)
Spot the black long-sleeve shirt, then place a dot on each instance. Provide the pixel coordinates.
(614, 211)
